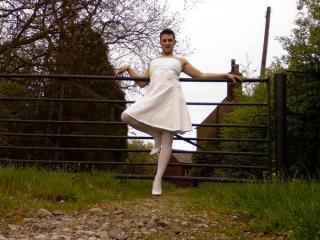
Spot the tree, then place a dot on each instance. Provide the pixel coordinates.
(246, 115)
(83, 51)
(31, 30)
(74, 37)
(303, 46)
(303, 91)
(301, 63)
(80, 51)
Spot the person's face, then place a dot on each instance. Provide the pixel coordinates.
(167, 43)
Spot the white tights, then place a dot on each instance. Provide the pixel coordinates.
(160, 136)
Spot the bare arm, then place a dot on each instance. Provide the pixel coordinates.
(134, 74)
(195, 73)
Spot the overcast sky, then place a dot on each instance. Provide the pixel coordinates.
(220, 30)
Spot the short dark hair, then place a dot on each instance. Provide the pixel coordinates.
(167, 31)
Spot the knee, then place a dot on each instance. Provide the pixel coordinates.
(166, 139)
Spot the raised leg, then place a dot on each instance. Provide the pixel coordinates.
(152, 131)
(163, 159)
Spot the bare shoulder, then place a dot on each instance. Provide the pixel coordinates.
(182, 60)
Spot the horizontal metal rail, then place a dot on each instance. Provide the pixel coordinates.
(303, 72)
(121, 123)
(120, 101)
(230, 125)
(127, 150)
(115, 78)
(186, 178)
(185, 165)
(58, 147)
(125, 137)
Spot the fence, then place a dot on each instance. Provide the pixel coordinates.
(8, 151)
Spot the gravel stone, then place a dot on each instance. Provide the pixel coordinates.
(164, 218)
(42, 213)
(57, 213)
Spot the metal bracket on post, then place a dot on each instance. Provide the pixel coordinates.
(281, 125)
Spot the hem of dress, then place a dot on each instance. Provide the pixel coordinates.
(176, 131)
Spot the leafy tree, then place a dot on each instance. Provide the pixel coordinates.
(303, 46)
(301, 63)
(81, 51)
(246, 115)
(303, 90)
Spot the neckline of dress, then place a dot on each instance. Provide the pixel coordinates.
(170, 58)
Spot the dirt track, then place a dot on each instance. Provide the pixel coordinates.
(165, 217)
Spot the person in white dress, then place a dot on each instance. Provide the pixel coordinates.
(163, 112)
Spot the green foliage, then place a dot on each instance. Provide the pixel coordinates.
(303, 46)
(271, 207)
(143, 157)
(81, 51)
(303, 90)
(304, 124)
(24, 189)
(204, 159)
(246, 115)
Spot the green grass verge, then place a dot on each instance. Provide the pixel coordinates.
(274, 207)
(23, 190)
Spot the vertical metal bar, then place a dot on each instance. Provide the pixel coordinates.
(60, 116)
(269, 126)
(281, 124)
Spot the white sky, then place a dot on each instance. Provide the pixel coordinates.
(220, 30)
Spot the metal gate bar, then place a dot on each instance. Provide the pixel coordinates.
(58, 135)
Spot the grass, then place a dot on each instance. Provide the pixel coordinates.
(273, 207)
(23, 190)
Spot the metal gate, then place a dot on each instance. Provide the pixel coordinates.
(8, 150)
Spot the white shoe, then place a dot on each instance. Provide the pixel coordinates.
(156, 188)
(156, 145)
(155, 150)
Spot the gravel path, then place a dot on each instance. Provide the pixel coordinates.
(162, 217)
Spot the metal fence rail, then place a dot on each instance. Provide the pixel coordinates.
(186, 165)
(128, 137)
(58, 123)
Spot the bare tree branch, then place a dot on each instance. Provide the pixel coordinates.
(129, 27)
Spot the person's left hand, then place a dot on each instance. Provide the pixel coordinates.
(234, 78)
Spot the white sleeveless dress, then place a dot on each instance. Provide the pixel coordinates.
(163, 105)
